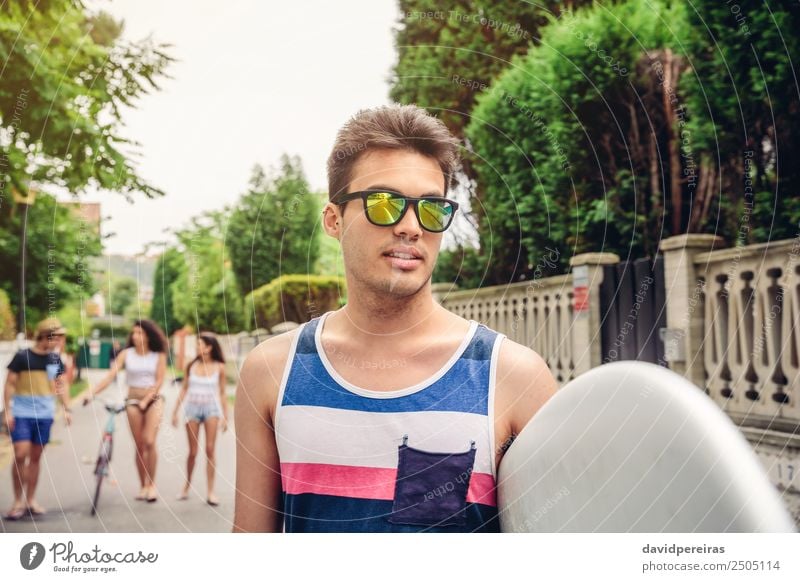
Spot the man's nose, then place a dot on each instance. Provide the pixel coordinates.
(409, 225)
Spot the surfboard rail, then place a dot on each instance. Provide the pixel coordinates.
(634, 447)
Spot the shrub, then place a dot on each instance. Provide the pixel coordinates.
(297, 298)
(7, 326)
(118, 330)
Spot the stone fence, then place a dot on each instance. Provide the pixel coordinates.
(733, 321)
(542, 313)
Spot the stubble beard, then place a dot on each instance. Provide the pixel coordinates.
(390, 296)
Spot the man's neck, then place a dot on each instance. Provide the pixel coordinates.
(372, 319)
(40, 349)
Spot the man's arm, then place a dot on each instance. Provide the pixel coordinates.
(62, 391)
(258, 471)
(10, 388)
(524, 384)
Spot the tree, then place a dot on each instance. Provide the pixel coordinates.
(138, 309)
(66, 79)
(59, 249)
(618, 131)
(743, 100)
(7, 326)
(168, 269)
(462, 266)
(330, 261)
(274, 228)
(124, 292)
(447, 53)
(205, 295)
(578, 139)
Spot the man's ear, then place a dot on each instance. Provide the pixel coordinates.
(332, 220)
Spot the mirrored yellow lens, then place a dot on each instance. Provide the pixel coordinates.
(435, 215)
(383, 208)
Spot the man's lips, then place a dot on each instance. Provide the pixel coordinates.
(403, 252)
(404, 257)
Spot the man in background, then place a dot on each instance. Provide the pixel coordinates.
(35, 378)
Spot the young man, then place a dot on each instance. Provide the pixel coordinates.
(392, 413)
(34, 379)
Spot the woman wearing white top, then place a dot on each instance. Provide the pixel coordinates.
(204, 391)
(145, 364)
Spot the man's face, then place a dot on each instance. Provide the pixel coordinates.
(49, 342)
(370, 251)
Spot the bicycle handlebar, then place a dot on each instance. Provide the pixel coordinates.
(117, 408)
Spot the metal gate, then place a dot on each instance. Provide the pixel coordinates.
(632, 311)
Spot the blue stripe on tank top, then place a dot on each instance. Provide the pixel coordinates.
(337, 514)
(461, 389)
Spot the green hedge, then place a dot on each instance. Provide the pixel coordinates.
(118, 331)
(297, 298)
(7, 327)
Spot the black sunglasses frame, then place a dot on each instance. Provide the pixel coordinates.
(409, 201)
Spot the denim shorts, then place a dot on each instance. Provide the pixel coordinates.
(35, 430)
(201, 411)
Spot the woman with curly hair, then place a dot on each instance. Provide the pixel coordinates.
(145, 362)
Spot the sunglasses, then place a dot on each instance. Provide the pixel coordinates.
(387, 208)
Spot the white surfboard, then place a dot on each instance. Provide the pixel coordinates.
(634, 447)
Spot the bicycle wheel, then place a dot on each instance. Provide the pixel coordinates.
(96, 499)
(100, 471)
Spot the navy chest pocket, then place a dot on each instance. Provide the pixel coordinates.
(431, 488)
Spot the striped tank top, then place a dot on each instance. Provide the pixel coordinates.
(417, 459)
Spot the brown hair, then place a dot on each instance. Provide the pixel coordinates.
(156, 340)
(209, 339)
(406, 127)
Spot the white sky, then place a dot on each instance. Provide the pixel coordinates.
(254, 79)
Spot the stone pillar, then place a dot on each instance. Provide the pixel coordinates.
(587, 275)
(684, 336)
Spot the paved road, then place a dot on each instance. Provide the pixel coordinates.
(66, 481)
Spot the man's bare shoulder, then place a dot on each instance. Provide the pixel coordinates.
(262, 370)
(524, 382)
(516, 357)
(272, 350)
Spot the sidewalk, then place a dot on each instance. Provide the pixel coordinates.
(5, 450)
(66, 481)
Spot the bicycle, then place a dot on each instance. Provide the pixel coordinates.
(107, 446)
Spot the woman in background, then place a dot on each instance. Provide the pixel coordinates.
(204, 392)
(145, 363)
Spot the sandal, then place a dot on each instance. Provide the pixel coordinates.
(36, 509)
(212, 501)
(152, 497)
(15, 514)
